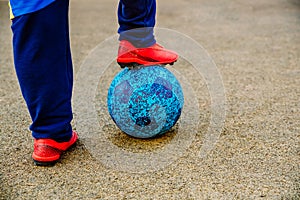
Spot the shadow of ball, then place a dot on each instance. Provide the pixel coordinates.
(138, 145)
(145, 102)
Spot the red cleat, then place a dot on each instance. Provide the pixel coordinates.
(47, 151)
(128, 55)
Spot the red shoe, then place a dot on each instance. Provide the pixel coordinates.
(128, 55)
(47, 151)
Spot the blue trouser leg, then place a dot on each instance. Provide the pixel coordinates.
(135, 14)
(43, 65)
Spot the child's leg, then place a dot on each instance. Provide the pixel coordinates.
(137, 42)
(44, 69)
(134, 14)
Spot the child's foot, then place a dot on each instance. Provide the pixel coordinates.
(128, 55)
(47, 151)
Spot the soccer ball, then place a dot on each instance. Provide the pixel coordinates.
(145, 102)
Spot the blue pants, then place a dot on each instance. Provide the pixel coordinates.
(43, 64)
(137, 19)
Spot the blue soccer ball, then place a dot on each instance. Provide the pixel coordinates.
(145, 102)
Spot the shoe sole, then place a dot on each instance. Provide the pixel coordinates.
(136, 65)
(45, 164)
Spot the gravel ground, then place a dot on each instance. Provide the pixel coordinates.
(256, 47)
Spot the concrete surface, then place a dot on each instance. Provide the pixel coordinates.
(256, 46)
